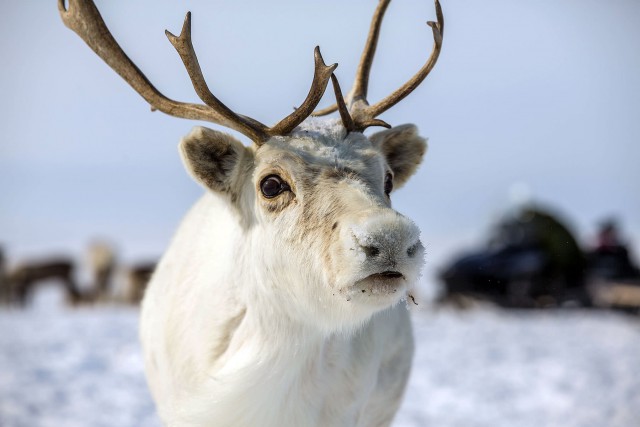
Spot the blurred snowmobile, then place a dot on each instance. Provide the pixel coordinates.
(532, 260)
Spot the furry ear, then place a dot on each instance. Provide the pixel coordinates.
(404, 150)
(216, 160)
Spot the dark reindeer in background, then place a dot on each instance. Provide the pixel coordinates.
(19, 283)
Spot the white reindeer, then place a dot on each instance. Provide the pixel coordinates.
(277, 303)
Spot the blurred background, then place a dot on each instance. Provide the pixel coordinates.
(533, 106)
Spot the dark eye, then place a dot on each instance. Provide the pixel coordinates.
(388, 184)
(273, 185)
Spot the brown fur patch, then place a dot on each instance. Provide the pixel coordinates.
(217, 160)
(403, 149)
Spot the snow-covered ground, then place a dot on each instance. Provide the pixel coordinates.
(480, 367)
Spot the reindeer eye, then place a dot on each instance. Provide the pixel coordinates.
(273, 185)
(388, 184)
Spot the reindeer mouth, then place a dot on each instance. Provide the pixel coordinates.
(380, 284)
(386, 275)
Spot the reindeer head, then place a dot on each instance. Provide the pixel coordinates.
(312, 195)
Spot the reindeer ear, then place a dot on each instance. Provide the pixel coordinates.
(216, 160)
(403, 148)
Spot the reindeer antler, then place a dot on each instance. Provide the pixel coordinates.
(364, 115)
(83, 17)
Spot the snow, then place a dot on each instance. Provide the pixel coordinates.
(486, 367)
(480, 367)
(72, 368)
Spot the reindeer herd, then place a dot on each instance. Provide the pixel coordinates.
(107, 283)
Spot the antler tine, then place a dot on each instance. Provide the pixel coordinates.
(184, 46)
(321, 76)
(82, 17)
(347, 121)
(361, 83)
(362, 113)
(409, 86)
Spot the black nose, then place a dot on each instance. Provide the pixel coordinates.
(371, 251)
(412, 250)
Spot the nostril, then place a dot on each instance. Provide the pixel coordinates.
(371, 251)
(413, 249)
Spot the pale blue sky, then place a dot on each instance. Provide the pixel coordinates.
(546, 93)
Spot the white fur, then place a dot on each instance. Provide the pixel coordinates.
(247, 323)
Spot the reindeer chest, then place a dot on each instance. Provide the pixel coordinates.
(343, 381)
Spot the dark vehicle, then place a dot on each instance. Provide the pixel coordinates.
(532, 260)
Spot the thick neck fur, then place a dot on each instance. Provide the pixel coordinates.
(232, 356)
